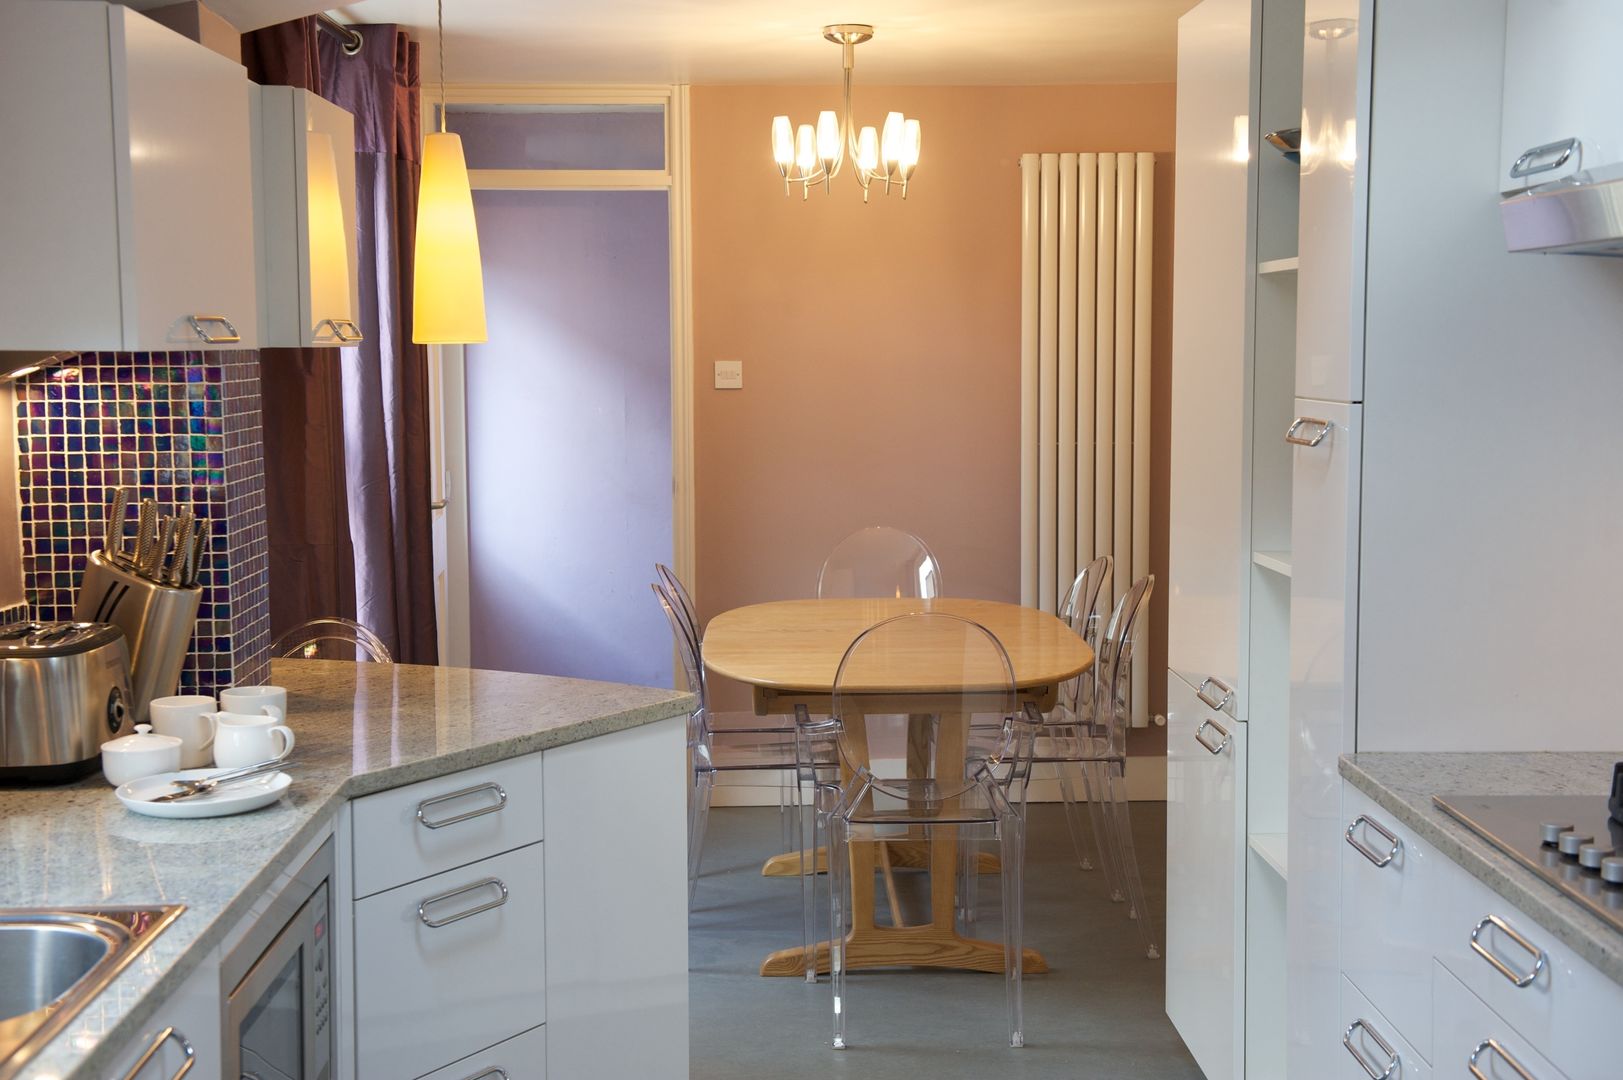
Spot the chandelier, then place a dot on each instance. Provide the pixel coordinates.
(810, 155)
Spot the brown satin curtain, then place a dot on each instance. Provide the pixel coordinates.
(347, 430)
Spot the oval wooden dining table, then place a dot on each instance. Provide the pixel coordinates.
(788, 651)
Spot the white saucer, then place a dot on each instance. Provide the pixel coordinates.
(137, 795)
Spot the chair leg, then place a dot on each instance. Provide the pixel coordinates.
(1012, 835)
(1104, 836)
(698, 818)
(839, 871)
(968, 880)
(810, 808)
(1138, 909)
(1073, 818)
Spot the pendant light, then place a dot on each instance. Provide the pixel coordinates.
(448, 287)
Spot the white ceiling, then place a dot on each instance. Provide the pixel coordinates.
(1003, 42)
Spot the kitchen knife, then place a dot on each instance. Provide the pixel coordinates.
(112, 540)
(199, 550)
(146, 520)
(183, 547)
(160, 554)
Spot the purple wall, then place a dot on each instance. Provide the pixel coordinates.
(569, 435)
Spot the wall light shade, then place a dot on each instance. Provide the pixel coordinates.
(448, 294)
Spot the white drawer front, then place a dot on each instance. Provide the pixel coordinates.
(523, 1057)
(1566, 1009)
(433, 826)
(1464, 1028)
(427, 995)
(1386, 945)
(1371, 1045)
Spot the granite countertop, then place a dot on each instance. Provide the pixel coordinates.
(1405, 783)
(361, 728)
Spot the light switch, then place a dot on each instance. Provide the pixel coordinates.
(729, 374)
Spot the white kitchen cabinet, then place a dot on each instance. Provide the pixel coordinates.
(1206, 851)
(1206, 533)
(1373, 1045)
(1330, 270)
(470, 944)
(523, 1057)
(126, 197)
(1323, 654)
(1471, 1036)
(304, 213)
(1387, 943)
(185, 1027)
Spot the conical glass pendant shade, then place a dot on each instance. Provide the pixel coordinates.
(448, 305)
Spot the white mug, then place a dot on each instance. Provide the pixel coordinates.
(247, 740)
(268, 700)
(189, 718)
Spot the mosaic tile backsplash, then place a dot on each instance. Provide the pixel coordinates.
(182, 428)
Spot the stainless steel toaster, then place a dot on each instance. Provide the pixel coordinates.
(64, 690)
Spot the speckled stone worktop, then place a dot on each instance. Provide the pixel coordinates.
(1405, 783)
(361, 728)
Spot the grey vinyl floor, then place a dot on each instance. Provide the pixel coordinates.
(1098, 1013)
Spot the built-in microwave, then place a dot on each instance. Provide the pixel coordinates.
(277, 983)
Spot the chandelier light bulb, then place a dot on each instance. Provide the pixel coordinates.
(806, 150)
(890, 141)
(783, 143)
(908, 158)
(868, 150)
(828, 136)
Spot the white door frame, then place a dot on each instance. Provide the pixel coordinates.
(447, 372)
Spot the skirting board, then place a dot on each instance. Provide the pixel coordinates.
(1146, 782)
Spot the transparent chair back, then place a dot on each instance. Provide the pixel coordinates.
(924, 702)
(1080, 611)
(687, 647)
(880, 561)
(684, 600)
(1113, 692)
(331, 638)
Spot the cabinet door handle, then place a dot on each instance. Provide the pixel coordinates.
(1521, 980)
(1503, 1054)
(1218, 703)
(1392, 1059)
(1544, 158)
(488, 905)
(1295, 439)
(466, 815)
(157, 1044)
(1211, 747)
(230, 337)
(1375, 857)
(492, 1073)
(344, 330)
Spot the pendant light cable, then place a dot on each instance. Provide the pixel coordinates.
(439, 13)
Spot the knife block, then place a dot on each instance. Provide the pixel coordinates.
(157, 620)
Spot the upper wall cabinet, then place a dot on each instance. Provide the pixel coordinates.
(126, 193)
(304, 207)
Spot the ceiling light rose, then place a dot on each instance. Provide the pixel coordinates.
(810, 155)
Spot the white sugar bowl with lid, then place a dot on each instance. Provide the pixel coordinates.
(142, 754)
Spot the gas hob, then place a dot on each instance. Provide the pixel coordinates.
(1574, 842)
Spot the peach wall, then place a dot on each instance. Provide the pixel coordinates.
(881, 343)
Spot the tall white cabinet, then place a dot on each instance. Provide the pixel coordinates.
(1234, 308)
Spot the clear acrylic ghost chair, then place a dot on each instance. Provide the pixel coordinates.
(713, 750)
(1097, 749)
(331, 638)
(1080, 611)
(917, 763)
(880, 561)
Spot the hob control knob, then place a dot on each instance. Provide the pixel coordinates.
(1570, 842)
(1591, 855)
(1550, 831)
(1611, 869)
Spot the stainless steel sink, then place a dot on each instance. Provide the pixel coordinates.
(54, 961)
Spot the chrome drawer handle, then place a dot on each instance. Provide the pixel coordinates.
(1301, 422)
(344, 330)
(1504, 1055)
(230, 337)
(157, 1044)
(492, 1073)
(1544, 158)
(422, 908)
(1499, 965)
(1392, 1059)
(1220, 703)
(1375, 857)
(1211, 747)
(466, 815)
